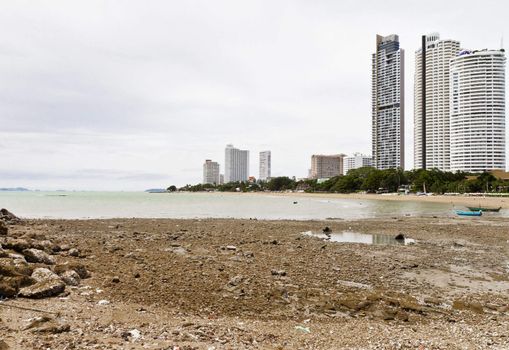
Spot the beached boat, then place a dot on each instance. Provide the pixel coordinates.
(469, 213)
(496, 210)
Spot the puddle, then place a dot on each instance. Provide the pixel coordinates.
(357, 237)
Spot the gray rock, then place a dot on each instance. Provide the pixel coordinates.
(38, 256)
(42, 274)
(231, 247)
(7, 216)
(71, 278)
(74, 252)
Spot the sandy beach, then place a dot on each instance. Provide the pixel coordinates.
(249, 284)
(455, 201)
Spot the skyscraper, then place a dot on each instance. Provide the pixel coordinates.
(265, 165)
(326, 166)
(388, 97)
(356, 161)
(236, 164)
(211, 172)
(477, 106)
(431, 102)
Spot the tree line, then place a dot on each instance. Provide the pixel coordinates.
(370, 180)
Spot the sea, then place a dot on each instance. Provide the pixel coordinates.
(104, 205)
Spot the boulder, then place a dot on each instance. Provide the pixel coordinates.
(16, 244)
(11, 267)
(9, 217)
(3, 229)
(38, 256)
(9, 286)
(47, 284)
(71, 278)
(42, 274)
(79, 268)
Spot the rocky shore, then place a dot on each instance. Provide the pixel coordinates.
(248, 284)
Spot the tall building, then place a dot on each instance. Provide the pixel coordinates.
(265, 164)
(326, 166)
(236, 164)
(431, 102)
(477, 106)
(358, 160)
(388, 109)
(211, 172)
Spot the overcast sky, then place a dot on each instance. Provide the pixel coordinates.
(129, 95)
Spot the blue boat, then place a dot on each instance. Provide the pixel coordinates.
(469, 212)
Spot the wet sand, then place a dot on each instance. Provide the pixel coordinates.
(248, 284)
(492, 202)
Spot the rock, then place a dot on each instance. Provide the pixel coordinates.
(71, 278)
(9, 217)
(278, 272)
(4, 346)
(463, 305)
(79, 268)
(326, 229)
(16, 244)
(231, 247)
(235, 281)
(74, 252)
(3, 229)
(41, 274)
(249, 254)
(43, 289)
(47, 284)
(14, 267)
(133, 334)
(38, 256)
(103, 302)
(400, 237)
(53, 328)
(115, 279)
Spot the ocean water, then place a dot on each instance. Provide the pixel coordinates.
(96, 205)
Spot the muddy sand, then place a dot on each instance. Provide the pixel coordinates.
(248, 284)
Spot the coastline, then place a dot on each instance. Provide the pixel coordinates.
(453, 200)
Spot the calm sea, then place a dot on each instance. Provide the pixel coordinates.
(83, 205)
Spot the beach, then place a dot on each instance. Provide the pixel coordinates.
(454, 201)
(255, 284)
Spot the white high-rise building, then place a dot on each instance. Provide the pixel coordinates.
(326, 166)
(431, 102)
(211, 172)
(358, 160)
(236, 164)
(265, 165)
(477, 106)
(388, 99)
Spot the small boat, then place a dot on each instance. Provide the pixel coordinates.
(469, 213)
(495, 210)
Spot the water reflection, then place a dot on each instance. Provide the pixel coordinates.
(357, 237)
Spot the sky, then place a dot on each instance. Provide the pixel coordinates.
(130, 95)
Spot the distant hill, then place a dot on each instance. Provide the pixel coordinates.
(14, 189)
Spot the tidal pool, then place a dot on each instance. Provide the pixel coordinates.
(358, 237)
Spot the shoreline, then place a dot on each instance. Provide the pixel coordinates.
(455, 200)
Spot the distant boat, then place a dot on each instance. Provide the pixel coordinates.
(469, 213)
(496, 210)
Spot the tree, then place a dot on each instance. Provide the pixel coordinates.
(172, 188)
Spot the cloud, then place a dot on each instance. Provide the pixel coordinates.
(157, 87)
